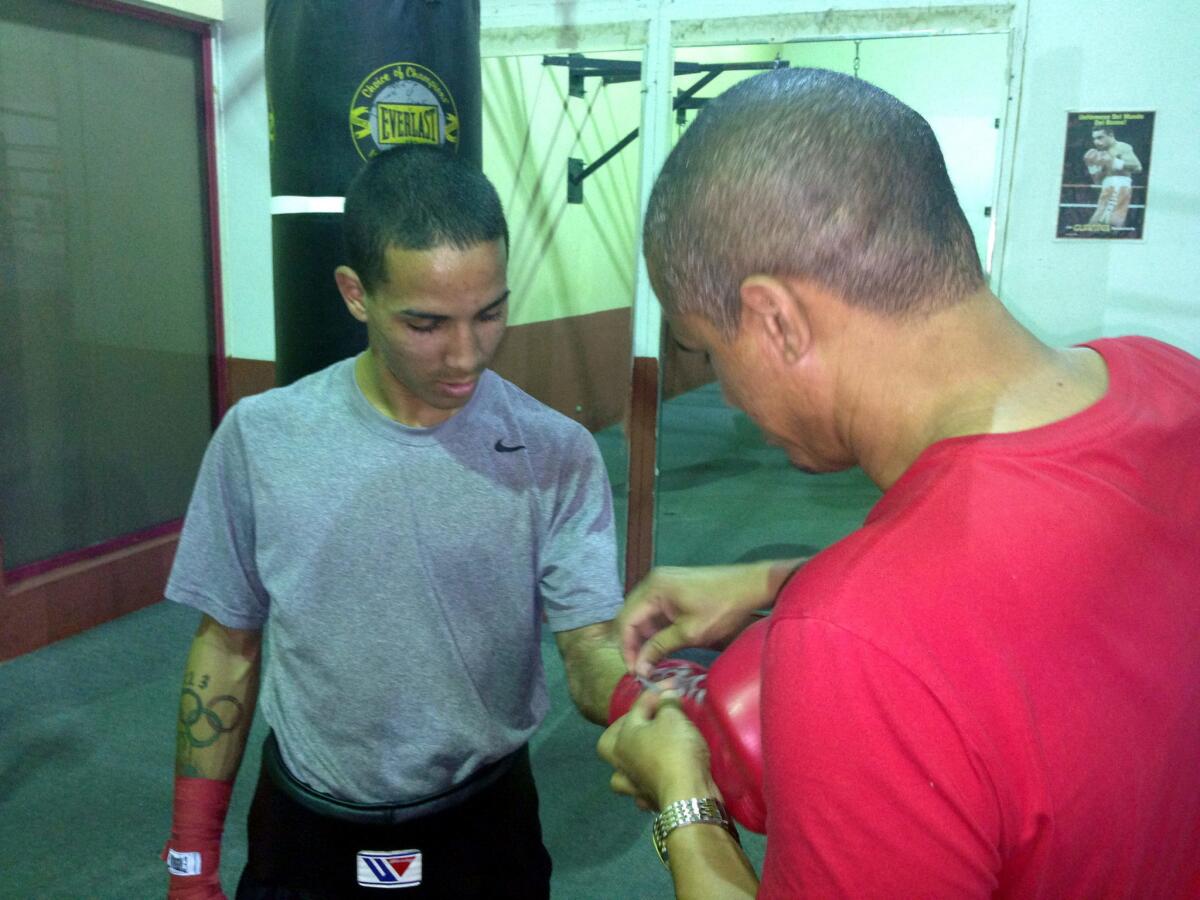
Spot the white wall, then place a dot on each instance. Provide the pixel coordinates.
(1070, 290)
(916, 71)
(244, 182)
(1065, 290)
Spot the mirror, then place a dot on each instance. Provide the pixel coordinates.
(553, 132)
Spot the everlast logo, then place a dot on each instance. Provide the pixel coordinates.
(402, 103)
(405, 123)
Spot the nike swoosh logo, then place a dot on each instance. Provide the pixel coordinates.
(504, 448)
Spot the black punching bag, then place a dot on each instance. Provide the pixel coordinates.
(347, 79)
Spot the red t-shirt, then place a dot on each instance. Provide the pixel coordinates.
(993, 686)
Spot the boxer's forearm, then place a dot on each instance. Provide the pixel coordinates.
(216, 704)
(593, 664)
(708, 864)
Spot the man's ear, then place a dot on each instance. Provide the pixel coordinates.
(351, 288)
(775, 314)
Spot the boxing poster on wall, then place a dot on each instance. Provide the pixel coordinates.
(1105, 173)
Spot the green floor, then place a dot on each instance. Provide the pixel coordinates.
(86, 725)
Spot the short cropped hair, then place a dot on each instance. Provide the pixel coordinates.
(1103, 129)
(417, 198)
(810, 174)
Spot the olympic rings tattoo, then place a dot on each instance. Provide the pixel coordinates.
(210, 713)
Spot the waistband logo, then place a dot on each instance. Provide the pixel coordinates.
(389, 868)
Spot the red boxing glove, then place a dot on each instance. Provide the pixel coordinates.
(723, 703)
(193, 853)
(732, 704)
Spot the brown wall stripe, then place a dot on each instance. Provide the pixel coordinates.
(49, 607)
(249, 376)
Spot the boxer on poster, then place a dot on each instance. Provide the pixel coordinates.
(1111, 164)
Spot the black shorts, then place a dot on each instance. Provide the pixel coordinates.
(489, 845)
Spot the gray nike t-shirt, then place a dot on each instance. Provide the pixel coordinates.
(401, 573)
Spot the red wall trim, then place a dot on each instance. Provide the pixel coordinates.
(149, 15)
(643, 453)
(71, 557)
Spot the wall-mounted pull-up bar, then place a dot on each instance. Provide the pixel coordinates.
(612, 71)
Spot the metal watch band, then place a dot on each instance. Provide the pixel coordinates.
(694, 811)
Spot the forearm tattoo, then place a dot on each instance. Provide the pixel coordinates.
(203, 722)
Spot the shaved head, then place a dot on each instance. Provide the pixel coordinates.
(814, 175)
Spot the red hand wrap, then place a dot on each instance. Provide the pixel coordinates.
(723, 703)
(689, 677)
(197, 823)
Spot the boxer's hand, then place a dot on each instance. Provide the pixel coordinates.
(679, 674)
(204, 887)
(193, 851)
(705, 606)
(658, 756)
(1091, 159)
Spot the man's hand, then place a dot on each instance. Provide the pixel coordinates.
(706, 606)
(658, 756)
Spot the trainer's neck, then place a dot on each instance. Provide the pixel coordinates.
(968, 369)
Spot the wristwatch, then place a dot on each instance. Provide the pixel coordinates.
(695, 811)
